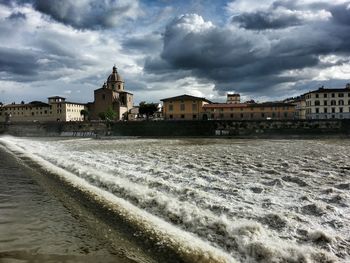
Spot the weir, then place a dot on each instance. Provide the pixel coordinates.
(204, 199)
(126, 227)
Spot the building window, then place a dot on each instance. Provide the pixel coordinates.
(316, 95)
(170, 116)
(341, 95)
(317, 103)
(333, 102)
(317, 110)
(171, 107)
(340, 102)
(231, 115)
(194, 116)
(262, 115)
(333, 95)
(221, 115)
(325, 95)
(286, 114)
(325, 103)
(333, 110)
(182, 107)
(242, 116)
(182, 116)
(252, 115)
(212, 116)
(194, 107)
(341, 110)
(325, 110)
(32, 113)
(103, 96)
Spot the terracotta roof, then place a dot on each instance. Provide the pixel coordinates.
(77, 103)
(246, 105)
(30, 104)
(225, 105)
(186, 97)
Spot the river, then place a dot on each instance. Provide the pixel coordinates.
(229, 200)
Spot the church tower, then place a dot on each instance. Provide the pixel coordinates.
(112, 96)
(115, 81)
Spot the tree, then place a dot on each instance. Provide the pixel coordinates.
(110, 114)
(85, 114)
(147, 109)
(102, 116)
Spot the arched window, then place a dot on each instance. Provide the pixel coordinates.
(341, 102)
(333, 102)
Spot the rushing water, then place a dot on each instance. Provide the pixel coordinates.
(254, 200)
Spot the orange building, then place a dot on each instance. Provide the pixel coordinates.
(249, 111)
(184, 107)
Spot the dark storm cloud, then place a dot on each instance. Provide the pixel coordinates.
(240, 59)
(29, 65)
(87, 14)
(19, 62)
(266, 20)
(341, 14)
(145, 43)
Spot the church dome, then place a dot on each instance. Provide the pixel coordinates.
(114, 77)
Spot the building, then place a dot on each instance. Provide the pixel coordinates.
(63, 110)
(111, 96)
(328, 103)
(184, 107)
(233, 98)
(57, 109)
(249, 111)
(300, 108)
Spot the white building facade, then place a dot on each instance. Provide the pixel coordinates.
(328, 103)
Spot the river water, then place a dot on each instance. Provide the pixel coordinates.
(232, 200)
(36, 227)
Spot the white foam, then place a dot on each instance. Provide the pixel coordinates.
(251, 199)
(189, 247)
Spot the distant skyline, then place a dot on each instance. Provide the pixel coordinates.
(264, 50)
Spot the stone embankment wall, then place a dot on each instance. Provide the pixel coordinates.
(213, 128)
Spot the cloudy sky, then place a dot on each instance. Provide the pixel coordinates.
(265, 50)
